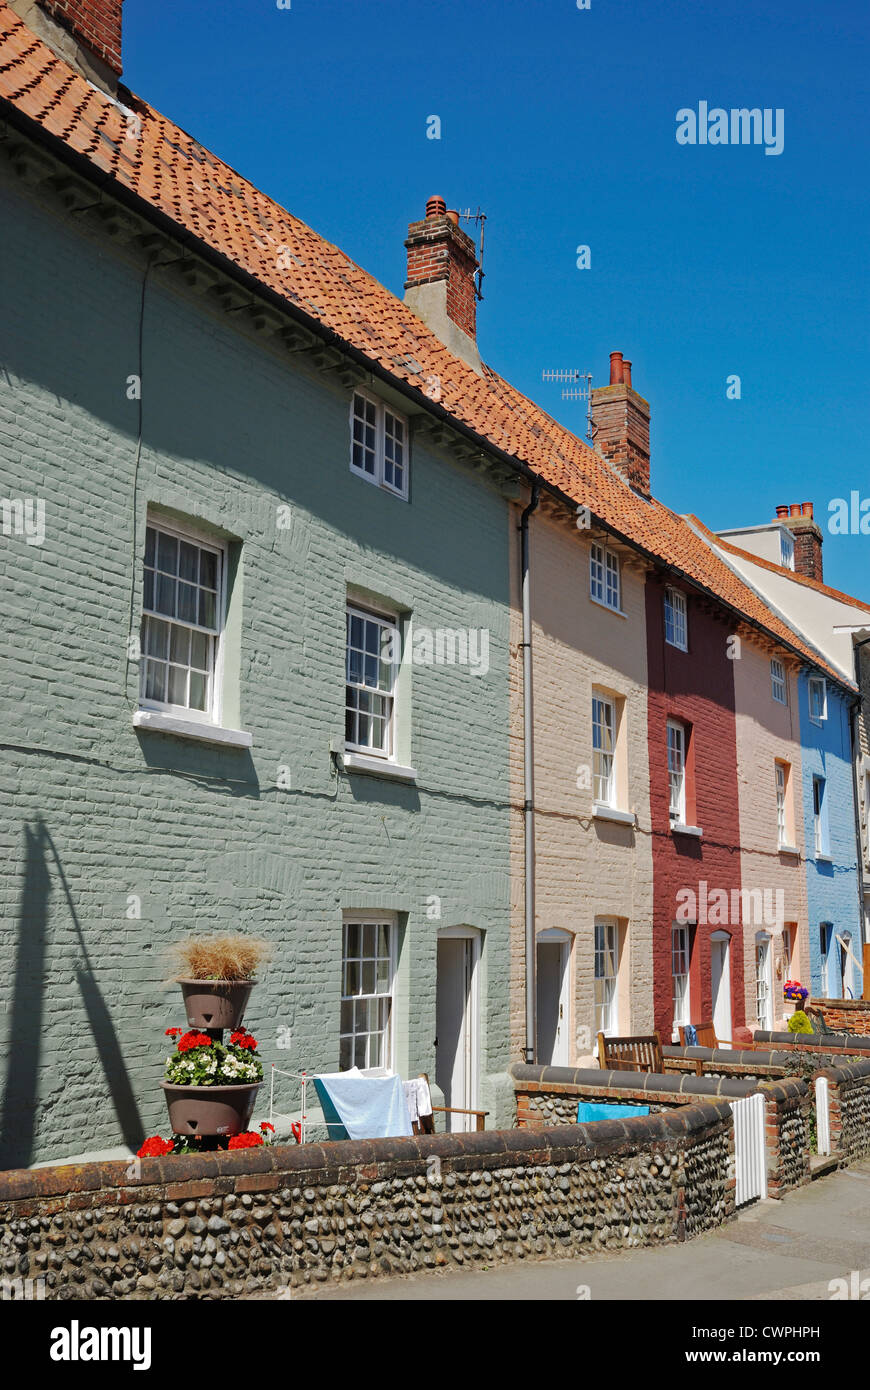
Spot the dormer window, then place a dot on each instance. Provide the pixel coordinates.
(786, 550)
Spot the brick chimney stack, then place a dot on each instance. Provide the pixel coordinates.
(440, 288)
(798, 517)
(621, 419)
(85, 33)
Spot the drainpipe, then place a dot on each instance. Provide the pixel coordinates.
(528, 778)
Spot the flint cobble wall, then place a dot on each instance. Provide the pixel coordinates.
(220, 1225)
(849, 1108)
(549, 1095)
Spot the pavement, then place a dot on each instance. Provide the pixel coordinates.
(788, 1249)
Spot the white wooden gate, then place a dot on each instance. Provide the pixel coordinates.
(749, 1155)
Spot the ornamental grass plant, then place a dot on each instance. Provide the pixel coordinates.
(229, 956)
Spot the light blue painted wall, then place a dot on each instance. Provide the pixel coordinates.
(832, 886)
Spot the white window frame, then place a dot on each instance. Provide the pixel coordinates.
(867, 817)
(389, 920)
(606, 953)
(780, 773)
(778, 682)
(382, 411)
(603, 758)
(605, 577)
(681, 955)
(786, 550)
(389, 622)
(676, 619)
(821, 836)
(816, 682)
(212, 713)
(678, 813)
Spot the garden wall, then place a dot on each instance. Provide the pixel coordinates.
(549, 1095)
(222, 1225)
(849, 1108)
(853, 1015)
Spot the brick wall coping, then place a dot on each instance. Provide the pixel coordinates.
(334, 1162)
(857, 1005)
(566, 1080)
(852, 1071)
(818, 1042)
(739, 1057)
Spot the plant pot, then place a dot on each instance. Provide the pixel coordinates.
(210, 1110)
(216, 1003)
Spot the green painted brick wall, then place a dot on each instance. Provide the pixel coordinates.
(94, 811)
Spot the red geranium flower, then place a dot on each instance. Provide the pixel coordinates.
(242, 1039)
(173, 1032)
(265, 1125)
(246, 1140)
(193, 1039)
(155, 1147)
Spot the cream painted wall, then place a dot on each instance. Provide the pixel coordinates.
(586, 867)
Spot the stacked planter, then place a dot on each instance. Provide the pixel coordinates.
(213, 1006)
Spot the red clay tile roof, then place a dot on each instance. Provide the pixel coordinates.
(796, 578)
(166, 169)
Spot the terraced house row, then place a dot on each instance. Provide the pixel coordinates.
(313, 625)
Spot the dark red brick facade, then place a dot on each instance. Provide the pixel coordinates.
(95, 23)
(695, 688)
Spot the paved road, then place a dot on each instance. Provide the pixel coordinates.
(788, 1249)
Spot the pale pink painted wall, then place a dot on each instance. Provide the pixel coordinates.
(767, 731)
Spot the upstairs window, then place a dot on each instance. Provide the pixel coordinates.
(777, 682)
(182, 620)
(675, 619)
(677, 772)
(818, 698)
(786, 550)
(379, 444)
(604, 581)
(603, 738)
(781, 771)
(370, 682)
(821, 838)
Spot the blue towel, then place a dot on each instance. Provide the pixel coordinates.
(690, 1033)
(587, 1112)
(362, 1107)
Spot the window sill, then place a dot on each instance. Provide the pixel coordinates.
(378, 767)
(825, 858)
(788, 849)
(159, 723)
(602, 812)
(599, 603)
(677, 828)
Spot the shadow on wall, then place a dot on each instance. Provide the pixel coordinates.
(18, 1121)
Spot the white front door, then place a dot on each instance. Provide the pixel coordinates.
(456, 1027)
(553, 1009)
(720, 979)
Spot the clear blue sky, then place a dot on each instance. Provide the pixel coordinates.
(560, 124)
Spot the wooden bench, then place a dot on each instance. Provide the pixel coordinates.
(641, 1053)
(706, 1035)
